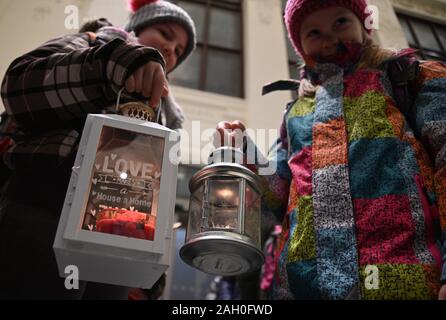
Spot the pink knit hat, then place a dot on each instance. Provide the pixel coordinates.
(297, 10)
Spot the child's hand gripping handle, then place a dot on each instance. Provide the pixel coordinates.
(139, 108)
(230, 134)
(149, 81)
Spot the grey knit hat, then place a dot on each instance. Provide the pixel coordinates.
(149, 12)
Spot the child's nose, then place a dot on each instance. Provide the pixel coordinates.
(330, 40)
(168, 49)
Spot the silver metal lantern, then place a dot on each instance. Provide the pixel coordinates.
(223, 233)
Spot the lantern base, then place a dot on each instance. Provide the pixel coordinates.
(222, 253)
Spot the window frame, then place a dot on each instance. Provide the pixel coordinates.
(294, 61)
(422, 51)
(205, 46)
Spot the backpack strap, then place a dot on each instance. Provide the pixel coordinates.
(280, 85)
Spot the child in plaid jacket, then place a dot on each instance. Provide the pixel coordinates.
(48, 93)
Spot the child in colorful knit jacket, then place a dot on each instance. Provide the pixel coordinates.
(48, 93)
(361, 181)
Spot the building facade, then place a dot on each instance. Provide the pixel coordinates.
(242, 45)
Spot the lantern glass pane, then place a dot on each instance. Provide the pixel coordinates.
(222, 203)
(125, 182)
(195, 213)
(252, 214)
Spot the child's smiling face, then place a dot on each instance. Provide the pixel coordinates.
(169, 38)
(323, 29)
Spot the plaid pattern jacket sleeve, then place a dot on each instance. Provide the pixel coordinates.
(50, 90)
(67, 78)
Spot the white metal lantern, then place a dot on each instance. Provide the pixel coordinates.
(223, 234)
(116, 223)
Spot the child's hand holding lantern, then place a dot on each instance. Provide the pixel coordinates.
(150, 81)
(229, 134)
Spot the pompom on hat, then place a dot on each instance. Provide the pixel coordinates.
(297, 10)
(145, 13)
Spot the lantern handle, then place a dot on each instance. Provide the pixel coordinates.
(118, 100)
(158, 113)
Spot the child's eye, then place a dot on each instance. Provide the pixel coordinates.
(341, 21)
(164, 33)
(313, 34)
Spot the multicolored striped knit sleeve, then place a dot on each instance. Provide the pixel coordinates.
(275, 175)
(67, 78)
(430, 123)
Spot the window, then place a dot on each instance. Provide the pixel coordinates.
(294, 61)
(217, 63)
(428, 37)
